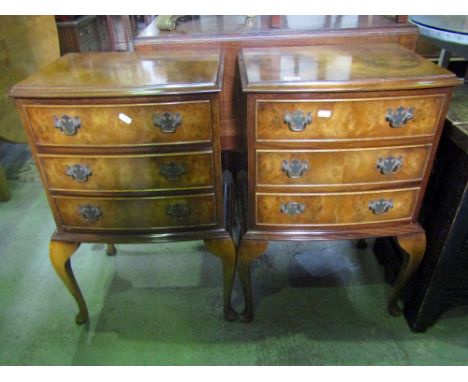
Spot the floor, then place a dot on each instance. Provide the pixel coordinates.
(317, 303)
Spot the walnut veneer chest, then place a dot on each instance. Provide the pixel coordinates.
(127, 146)
(340, 142)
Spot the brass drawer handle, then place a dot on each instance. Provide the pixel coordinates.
(173, 171)
(381, 206)
(292, 208)
(295, 168)
(297, 120)
(399, 117)
(389, 165)
(78, 172)
(90, 213)
(67, 125)
(167, 122)
(178, 211)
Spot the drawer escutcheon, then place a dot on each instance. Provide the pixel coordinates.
(295, 168)
(78, 172)
(90, 213)
(389, 165)
(173, 171)
(399, 117)
(67, 125)
(297, 120)
(292, 208)
(381, 206)
(167, 122)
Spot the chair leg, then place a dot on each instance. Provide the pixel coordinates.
(4, 191)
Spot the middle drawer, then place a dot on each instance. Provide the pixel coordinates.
(128, 173)
(341, 167)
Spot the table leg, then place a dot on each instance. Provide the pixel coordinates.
(444, 58)
(60, 253)
(414, 246)
(249, 250)
(225, 249)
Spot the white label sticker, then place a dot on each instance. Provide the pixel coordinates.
(125, 118)
(324, 113)
(291, 78)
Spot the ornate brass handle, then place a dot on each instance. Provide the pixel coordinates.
(178, 211)
(173, 171)
(67, 125)
(167, 122)
(297, 120)
(399, 117)
(78, 172)
(381, 206)
(389, 165)
(90, 213)
(292, 208)
(295, 168)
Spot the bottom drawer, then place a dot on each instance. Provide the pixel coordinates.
(136, 213)
(335, 208)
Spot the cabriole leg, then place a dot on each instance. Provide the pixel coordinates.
(414, 246)
(249, 250)
(225, 249)
(111, 250)
(60, 253)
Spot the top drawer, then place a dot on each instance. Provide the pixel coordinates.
(347, 119)
(121, 125)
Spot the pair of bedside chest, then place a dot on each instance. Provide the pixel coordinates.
(340, 142)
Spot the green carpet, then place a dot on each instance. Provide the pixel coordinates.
(317, 303)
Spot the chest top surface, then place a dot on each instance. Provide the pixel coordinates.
(119, 74)
(339, 68)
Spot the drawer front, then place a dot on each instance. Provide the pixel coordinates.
(335, 167)
(347, 119)
(291, 210)
(121, 125)
(136, 213)
(129, 173)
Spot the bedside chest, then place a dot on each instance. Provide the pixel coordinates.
(340, 145)
(128, 150)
